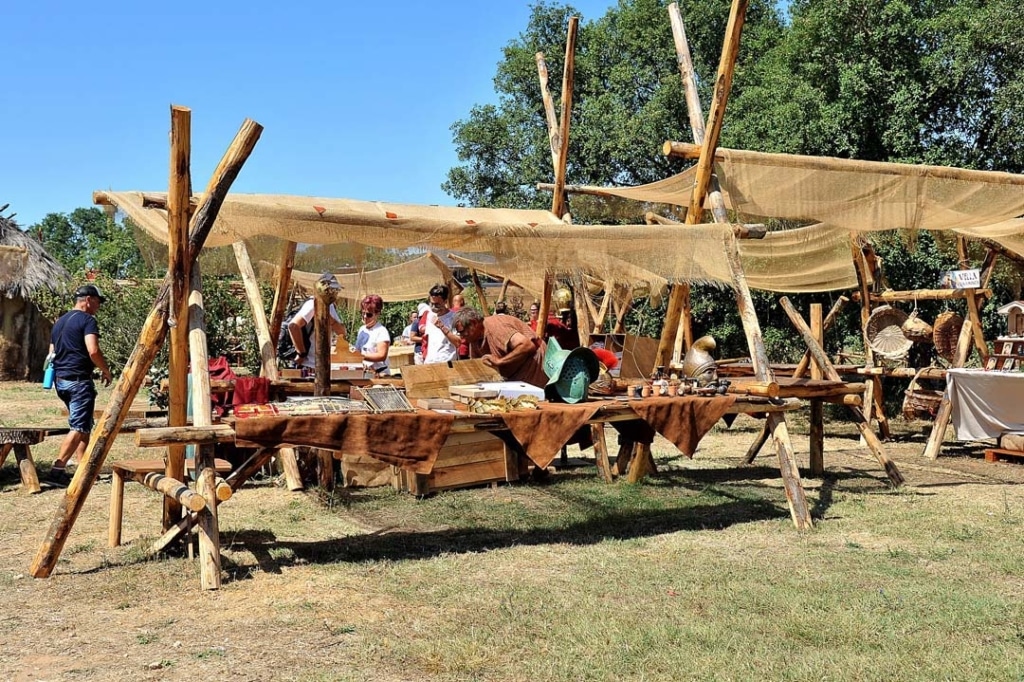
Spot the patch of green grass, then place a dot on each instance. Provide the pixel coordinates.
(146, 638)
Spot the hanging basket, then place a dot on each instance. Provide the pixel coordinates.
(946, 333)
(884, 332)
(919, 402)
(916, 329)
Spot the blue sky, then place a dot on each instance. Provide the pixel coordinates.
(356, 99)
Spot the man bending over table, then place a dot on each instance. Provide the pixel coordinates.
(503, 342)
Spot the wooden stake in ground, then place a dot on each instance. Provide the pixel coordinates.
(282, 288)
(151, 338)
(327, 289)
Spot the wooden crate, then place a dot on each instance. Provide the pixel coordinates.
(466, 459)
(999, 454)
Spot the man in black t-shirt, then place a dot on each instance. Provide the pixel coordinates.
(75, 347)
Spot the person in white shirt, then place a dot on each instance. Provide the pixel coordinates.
(303, 317)
(442, 343)
(373, 339)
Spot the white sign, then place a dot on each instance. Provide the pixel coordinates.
(961, 279)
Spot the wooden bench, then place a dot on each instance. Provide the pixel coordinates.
(137, 470)
(19, 440)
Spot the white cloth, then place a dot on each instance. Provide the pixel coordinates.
(439, 348)
(367, 340)
(985, 404)
(306, 313)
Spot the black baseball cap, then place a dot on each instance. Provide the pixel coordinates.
(89, 290)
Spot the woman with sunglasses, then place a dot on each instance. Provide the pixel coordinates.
(373, 339)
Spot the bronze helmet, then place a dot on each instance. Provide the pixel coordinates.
(698, 363)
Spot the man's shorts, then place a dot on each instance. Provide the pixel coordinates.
(80, 399)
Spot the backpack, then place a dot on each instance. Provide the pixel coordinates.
(286, 351)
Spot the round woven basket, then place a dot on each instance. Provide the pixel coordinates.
(885, 332)
(944, 336)
(917, 330)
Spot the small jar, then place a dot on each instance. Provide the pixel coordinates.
(645, 391)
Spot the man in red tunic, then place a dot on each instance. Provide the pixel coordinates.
(505, 343)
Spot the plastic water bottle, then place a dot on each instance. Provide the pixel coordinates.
(48, 372)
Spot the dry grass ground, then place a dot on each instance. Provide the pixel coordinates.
(697, 574)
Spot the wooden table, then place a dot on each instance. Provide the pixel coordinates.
(19, 440)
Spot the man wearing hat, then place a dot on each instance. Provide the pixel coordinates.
(75, 347)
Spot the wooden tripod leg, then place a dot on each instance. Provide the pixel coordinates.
(5, 450)
(945, 411)
(601, 451)
(817, 438)
(756, 446)
(624, 457)
(878, 398)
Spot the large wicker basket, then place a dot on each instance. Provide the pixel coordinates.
(920, 402)
(946, 332)
(884, 332)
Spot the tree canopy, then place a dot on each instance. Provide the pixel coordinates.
(932, 81)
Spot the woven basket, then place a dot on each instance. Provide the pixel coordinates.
(920, 403)
(916, 329)
(946, 333)
(885, 332)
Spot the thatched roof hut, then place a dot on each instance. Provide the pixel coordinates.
(24, 333)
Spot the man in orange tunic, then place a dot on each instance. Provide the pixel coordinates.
(505, 343)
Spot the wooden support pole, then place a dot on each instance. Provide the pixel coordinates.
(805, 361)
(684, 333)
(170, 487)
(202, 415)
(973, 306)
(558, 204)
(925, 295)
(817, 409)
(327, 288)
(708, 186)
(584, 322)
(484, 305)
(945, 411)
(549, 110)
(775, 422)
(5, 449)
(873, 443)
(545, 307)
(282, 288)
(601, 451)
(755, 447)
(267, 341)
(503, 292)
(151, 338)
(988, 267)
(716, 113)
(178, 195)
(865, 297)
(221, 490)
(602, 314)
(446, 273)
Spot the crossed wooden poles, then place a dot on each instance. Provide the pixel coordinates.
(179, 300)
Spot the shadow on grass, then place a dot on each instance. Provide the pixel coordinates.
(401, 545)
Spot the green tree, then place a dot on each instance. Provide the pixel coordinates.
(88, 239)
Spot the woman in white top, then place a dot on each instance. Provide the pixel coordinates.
(373, 339)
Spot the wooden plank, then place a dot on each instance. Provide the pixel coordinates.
(817, 411)
(1002, 454)
(432, 381)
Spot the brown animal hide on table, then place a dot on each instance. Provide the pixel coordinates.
(406, 439)
(683, 421)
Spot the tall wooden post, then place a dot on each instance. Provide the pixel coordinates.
(202, 415)
(327, 289)
(817, 411)
(151, 338)
(179, 195)
(282, 287)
